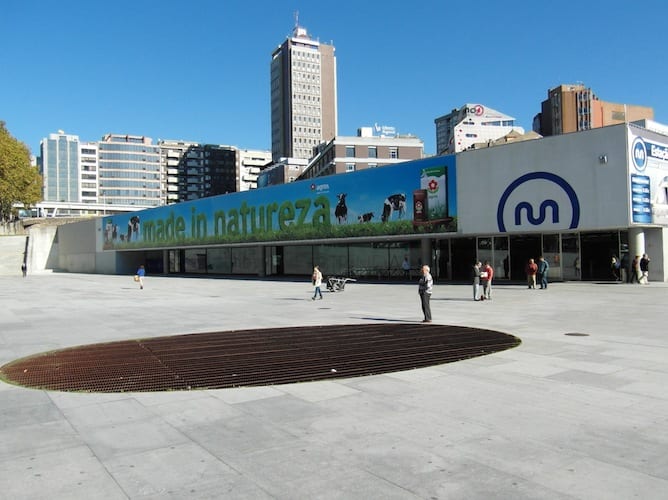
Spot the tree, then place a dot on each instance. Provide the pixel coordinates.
(20, 182)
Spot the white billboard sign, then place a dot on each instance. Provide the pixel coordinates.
(567, 183)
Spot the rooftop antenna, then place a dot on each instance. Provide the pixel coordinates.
(298, 31)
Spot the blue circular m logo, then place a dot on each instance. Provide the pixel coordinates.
(639, 154)
(548, 206)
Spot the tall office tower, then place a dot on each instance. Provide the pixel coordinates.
(303, 96)
(59, 165)
(572, 108)
(130, 171)
(469, 125)
(88, 161)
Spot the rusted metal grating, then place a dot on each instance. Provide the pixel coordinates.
(240, 358)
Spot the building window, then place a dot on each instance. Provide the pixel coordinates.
(394, 153)
(373, 153)
(350, 167)
(350, 151)
(373, 165)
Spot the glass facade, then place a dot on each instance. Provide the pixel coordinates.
(60, 168)
(130, 171)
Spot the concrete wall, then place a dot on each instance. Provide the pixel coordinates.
(42, 249)
(106, 262)
(77, 246)
(654, 247)
(12, 249)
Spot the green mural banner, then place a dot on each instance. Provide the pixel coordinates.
(409, 198)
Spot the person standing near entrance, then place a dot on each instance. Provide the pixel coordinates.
(475, 275)
(487, 281)
(317, 282)
(531, 269)
(425, 286)
(615, 267)
(543, 268)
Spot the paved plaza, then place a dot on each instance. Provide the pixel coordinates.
(578, 411)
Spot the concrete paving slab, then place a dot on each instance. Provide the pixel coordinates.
(558, 417)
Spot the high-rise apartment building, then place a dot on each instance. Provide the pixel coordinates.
(471, 124)
(171, 157)
(574, 107)
(130, 171)
(196, 171)
(303, 96)
(59, 165)
(207, 170)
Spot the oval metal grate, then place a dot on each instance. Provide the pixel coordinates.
(241, 358)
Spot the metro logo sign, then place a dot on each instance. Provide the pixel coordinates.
(557, 198)
(648, 154)
(476, 110)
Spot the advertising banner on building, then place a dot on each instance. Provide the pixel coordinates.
(409, 198)
(648, 180)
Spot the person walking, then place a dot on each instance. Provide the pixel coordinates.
(141, 272)
(317, 282)
(488, 272)
(644, 269)
(425, 286)
(531, 269)
(543, 268)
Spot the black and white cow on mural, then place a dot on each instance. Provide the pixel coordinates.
(365, 217)
(341, 210)
(394, 203)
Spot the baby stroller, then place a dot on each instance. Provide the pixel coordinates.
(335, 284)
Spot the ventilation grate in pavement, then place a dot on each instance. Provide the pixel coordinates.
(241, 358)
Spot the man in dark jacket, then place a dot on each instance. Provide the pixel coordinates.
(543, 267)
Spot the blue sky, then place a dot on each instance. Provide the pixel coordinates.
(199, 70)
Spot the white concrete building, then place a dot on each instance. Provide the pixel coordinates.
(251, 163)
(471, 124)
(89, 168)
